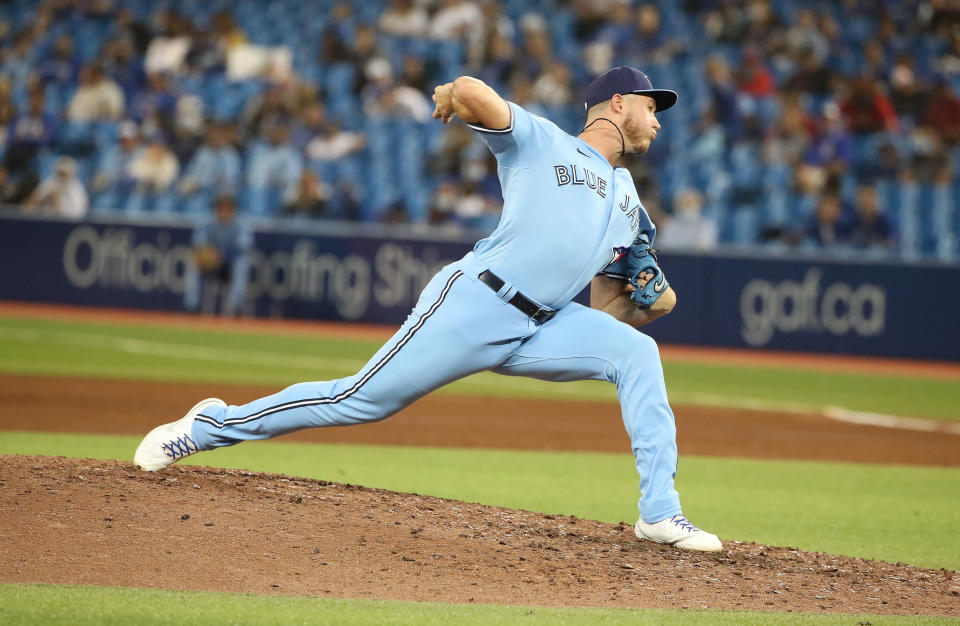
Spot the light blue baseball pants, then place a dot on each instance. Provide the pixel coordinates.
(459, 327)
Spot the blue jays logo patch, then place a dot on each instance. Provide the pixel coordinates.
(618, 252)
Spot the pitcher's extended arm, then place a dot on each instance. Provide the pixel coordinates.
(473, 101)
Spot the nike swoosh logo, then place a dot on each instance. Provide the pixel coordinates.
(658, 287)
(584, 153)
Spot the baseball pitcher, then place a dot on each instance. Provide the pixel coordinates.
(571, 217)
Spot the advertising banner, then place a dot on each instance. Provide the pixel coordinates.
(784, 304)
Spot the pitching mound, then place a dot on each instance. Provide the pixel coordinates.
(105, 523)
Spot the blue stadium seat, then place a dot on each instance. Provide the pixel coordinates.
(908, 223)
(942, 230)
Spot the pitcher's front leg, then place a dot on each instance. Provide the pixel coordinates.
(587, 344)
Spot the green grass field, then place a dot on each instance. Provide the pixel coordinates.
(181, 354)
(48, 604)
(871, 511)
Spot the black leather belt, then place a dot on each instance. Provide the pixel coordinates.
(525, 304)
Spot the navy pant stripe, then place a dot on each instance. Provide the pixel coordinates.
(349, 392)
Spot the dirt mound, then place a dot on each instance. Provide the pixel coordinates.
(105, 523)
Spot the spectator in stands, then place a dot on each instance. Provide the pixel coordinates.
(892, 36)
(98, 97)
(221, 252)
(414, 74)
(753, 77)
(8, 110)
(871, 228)
(115, 173)
(188, 128)
(831, 147)
(590, 16)
(277, 165)
(311, 122)
(943, 111)
(474, 210)
(723, 95)
(121, 63)
(30, 132)
(554, 88)
(708, 140)
(404, 18)
(205, 56)
(495, 23)
(456, 140)
(158, 102)
(866, 108)
(874, 60)
(688, 228)
(336, 36)
(498, 62)
(215, 167)
(384, 98)
(619, 31)
(18, 62)
(764, 29)
(828, 227)
(649, 45)
(59, 64)
(445, 198)
(334, 143)
(132, 30)
(787, 141)
(167, 51)
(537, 52)
(155, 167)
(61, 194)
(908, 97)
(812, 76)
(726, 22)
(808, 184)
(225, 31)
(948, 63)
(364, 55)
(455, 20)
(888, 164)
(312, 198)
(928, 155)
(523, 95)
(804, 34)
(274, 106)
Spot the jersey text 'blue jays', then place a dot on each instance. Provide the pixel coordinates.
(568, 175)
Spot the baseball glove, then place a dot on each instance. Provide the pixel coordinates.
(639, 267)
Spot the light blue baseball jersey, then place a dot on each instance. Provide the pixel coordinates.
(567, 212)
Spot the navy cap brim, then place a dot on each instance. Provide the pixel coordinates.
(663, 97)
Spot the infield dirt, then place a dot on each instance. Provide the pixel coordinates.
(106, 523)
(134, 407)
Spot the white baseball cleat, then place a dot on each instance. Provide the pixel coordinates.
(679, 533)
(167, 444)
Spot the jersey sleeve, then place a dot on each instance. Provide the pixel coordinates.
(522, 141)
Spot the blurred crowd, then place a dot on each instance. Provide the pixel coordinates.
(820, 125)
